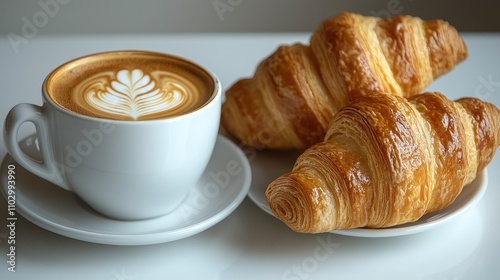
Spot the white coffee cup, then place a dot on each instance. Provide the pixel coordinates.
(123, 169)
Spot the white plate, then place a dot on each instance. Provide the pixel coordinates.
(267, 166)
(59, 211)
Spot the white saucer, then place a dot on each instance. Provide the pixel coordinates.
(269, 165)
(59, 211)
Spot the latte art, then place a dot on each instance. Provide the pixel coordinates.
(130, 86)
(133, 94)
(136, 95)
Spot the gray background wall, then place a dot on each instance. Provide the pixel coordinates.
(174, 16)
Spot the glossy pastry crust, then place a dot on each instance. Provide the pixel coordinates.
(295, 92)
(386, 161)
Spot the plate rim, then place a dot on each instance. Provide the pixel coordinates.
(140, 238)
(482, 185)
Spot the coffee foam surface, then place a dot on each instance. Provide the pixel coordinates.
(130, 88)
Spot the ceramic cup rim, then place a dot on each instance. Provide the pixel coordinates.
(215, 95)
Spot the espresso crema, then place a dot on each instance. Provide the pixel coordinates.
(130, 86)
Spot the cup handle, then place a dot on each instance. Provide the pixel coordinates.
(47, 169)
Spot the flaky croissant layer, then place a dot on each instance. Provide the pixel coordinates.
(386, 161)
(296, 91)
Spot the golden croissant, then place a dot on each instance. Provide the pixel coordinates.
(296, 91)
(387, 161)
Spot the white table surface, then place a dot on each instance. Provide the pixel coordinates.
(250, 244)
